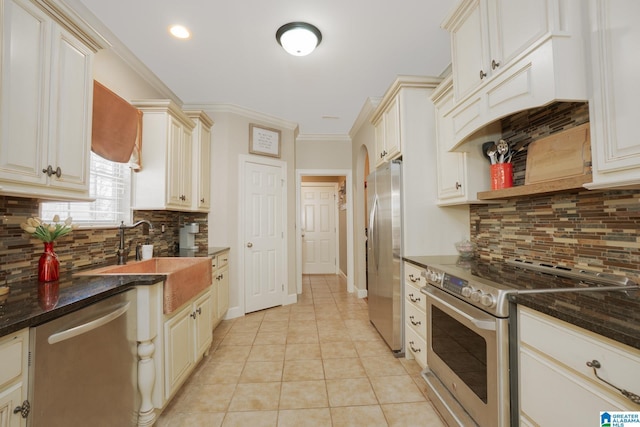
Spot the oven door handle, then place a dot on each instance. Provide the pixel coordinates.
(487, 325)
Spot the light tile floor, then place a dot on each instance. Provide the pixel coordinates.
(315, 363)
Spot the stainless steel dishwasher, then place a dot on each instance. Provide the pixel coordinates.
(84, 367)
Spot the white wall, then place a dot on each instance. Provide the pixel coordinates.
(323, 152)
(113, 72)
(230, 140)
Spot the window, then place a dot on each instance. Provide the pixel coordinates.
(110, 185)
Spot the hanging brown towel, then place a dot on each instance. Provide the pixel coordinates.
(115, 125)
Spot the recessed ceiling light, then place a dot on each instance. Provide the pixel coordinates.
(179, 31)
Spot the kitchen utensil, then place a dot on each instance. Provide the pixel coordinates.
(491, 152)
(485, 149)
(515, 150)
(502, 148)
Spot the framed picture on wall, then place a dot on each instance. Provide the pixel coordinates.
(264, 141)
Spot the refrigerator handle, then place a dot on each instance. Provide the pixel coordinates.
(372, 232)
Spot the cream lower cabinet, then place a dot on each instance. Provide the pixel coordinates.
(14, 360)
(556, 386)
(14, 357)
(613, 103)
(220, 274)
(187, 336)
(46, 96)
(415, 318)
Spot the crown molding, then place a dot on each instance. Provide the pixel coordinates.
(121, 50)
(245, 112)
(367, 110)
(318, 137)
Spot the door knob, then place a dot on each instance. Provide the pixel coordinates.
(249, 245)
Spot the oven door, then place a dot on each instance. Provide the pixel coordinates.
(468, 352)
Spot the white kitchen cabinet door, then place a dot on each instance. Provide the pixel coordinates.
(223, 291)
(392, 135)
(461, 175)
(11, 398)
(201, 177)
(203, 327)
(165, 181)
(614, 111)
(179, 165)
(553, 358)
(179, 349)
(487, 34)
(14, 360)
(47, 93)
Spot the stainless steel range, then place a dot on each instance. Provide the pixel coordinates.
(468, 330)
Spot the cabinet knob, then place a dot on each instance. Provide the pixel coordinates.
(494, 64)
(249, 245)
(199, 310)
(49, 171)
(202, 200)
(482, 74)
(23, 409)
(458, 185)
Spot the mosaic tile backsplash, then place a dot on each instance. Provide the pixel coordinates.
(596, 230)
(83, 248)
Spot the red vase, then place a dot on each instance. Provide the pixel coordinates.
(48, 266)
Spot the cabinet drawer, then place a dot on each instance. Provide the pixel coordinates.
(416, 319)
(223, 259)
(573, 347)
(13, 352)
(412, 275)
(414, 296)
(543, 382)
(415, 346)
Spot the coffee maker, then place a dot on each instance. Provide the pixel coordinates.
(188, 233)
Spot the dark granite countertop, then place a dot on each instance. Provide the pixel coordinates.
(615, 315)
(30, 303)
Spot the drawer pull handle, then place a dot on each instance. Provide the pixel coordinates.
(413, 278)
(413, 299)
(415, 350)
(631, 396)
(414, 323)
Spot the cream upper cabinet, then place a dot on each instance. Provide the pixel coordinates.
(165, 181)
(46, 103)
(613, 104)
(511, 55)
(552, 358)
(388, 138)
(393, 129)
(461, 175)
(487, 34)
(201, 180)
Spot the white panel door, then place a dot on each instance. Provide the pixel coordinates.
(318, 227)
(263, 232)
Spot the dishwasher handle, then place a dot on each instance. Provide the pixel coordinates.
(88, 326)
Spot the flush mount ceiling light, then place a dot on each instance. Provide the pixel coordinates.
(179, 32)
(298, 38)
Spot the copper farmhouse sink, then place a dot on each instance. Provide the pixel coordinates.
(186, 277)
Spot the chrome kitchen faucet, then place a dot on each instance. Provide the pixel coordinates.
(121, 252)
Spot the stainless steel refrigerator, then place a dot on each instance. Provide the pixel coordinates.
(384, 253)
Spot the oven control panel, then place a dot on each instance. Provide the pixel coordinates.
(474, 293)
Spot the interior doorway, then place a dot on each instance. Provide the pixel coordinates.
(343, 222)
(319, 227)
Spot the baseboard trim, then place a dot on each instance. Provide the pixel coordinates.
(362, 293)
(290, 299)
